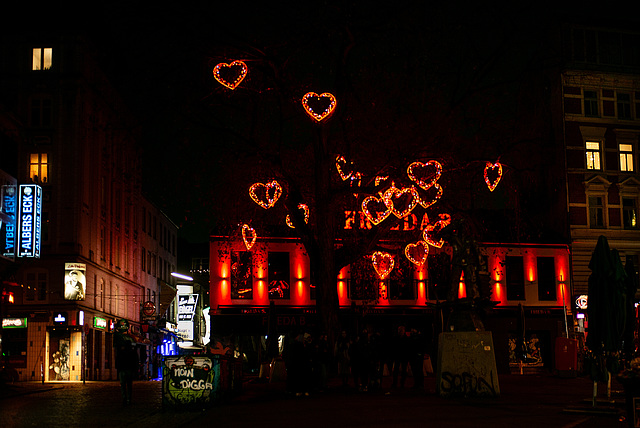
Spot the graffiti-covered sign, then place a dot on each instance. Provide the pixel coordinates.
(189, 380)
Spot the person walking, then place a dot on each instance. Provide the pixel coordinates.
(127, 367)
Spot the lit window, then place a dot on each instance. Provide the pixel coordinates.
(596, 212)
(39, 168)
(591, 103)
(624, 105)
(593, 154)
(626, 157)
(629, 213)
(42, 58)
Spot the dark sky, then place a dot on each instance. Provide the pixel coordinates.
(160, 56)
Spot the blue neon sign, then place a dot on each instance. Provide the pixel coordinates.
(29, 220)
(8, 223)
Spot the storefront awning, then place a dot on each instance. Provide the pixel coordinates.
(167, 294)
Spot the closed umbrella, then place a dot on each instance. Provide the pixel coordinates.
(607, 311)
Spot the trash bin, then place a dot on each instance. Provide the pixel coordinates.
(566, 357)
(190, 382)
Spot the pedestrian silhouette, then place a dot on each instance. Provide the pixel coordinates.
(127, 366)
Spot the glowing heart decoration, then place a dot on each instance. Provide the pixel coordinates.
(375, 209)
(383, 263)
(432, 230)
(249, 236)
(426, 203)
(407, 198)
(417, 253)
(319, 107)
(425, 175)
(265, 195)
(492, 174)
(341, 166)
(230, 75)
(305, 209)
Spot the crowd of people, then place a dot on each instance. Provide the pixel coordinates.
(361, 361)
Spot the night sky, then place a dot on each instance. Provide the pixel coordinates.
(160, 56)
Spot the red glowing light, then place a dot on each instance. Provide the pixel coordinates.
(495, 171)
(236, 71)
(319, 107)
(383, 263)
(249, 236)
(265, 195)
(417, 253)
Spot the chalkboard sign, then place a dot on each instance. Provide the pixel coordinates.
(190, 381)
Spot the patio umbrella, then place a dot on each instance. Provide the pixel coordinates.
(631, 285)
(607, 311)
(607, 299)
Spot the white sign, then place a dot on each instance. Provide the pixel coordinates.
(75, 281)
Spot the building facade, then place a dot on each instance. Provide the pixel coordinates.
(105, 249)
(601, 127)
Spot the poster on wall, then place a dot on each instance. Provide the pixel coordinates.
(75, 281)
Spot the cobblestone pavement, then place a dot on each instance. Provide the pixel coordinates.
(525, 401)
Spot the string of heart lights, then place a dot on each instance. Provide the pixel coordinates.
(265, 195)
(319, 107)
(417, 253)
(237, 70)
(491, 168)
(305, 209)
(249, 236)
(432, 229)
(383, 263)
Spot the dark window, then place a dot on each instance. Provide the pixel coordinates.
(546, 278)
(596, 212)
(591, 103)
(279, 275)
(439, 271)
(401, 284)
(515, 278)
(241, 277)
(624, 105)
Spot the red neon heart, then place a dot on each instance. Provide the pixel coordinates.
(432, 229)
(249, 236)
(407, 198)
(492, 174)
(319, 107)
(375, 209)
(265, 195)
(417, 253)
(425, 175)
(230, 75)
(341, 166)
(305, 209)
(383, 263)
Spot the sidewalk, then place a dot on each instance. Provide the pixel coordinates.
(525, 401)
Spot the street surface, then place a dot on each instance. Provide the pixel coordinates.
(541, 401)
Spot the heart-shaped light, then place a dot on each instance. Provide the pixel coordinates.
(265, 195)
(383, 263)
(407, 198)
(426, 203)
(375, 209)
(432, 229)
(230, 75)
(492, 174)
(425, 175)
(319, 107)
(417, 253)
(341, 166)
(249, 236)
(305, 210)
